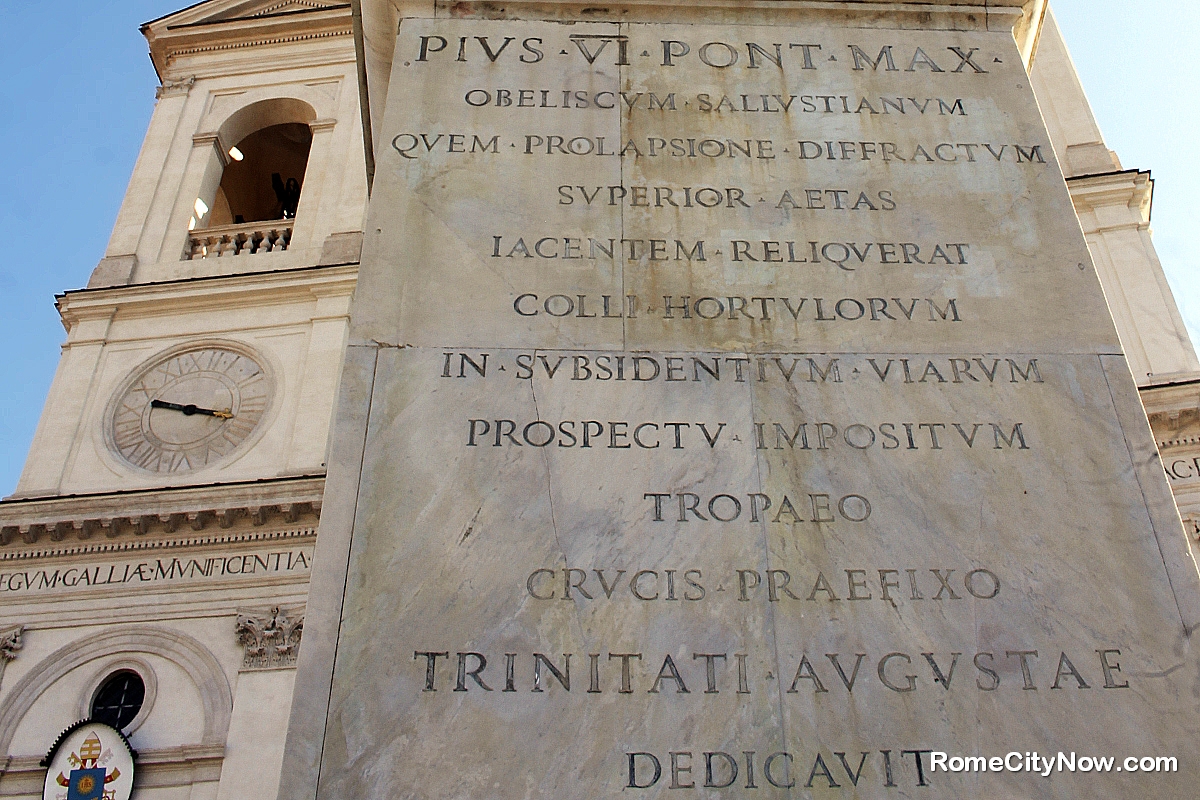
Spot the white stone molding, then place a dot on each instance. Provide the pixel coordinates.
(1191, 526)
(1114, 212)
(1128, 189)
(271, 637)
(261, 108)
(152, 544)
(171, 88)
(989, 15)
(113, 271)
(140, 512)
(206, 28)
(342, 248)
(243, 291)
(142, 668)
(271, 9)
(213, 140)
(189, 654)
(157, 767)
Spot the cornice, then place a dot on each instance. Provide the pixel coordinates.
(952, 14)
(134, 514)
(265, 13)
(235, 62)
(191, 32)
(1167, 401)
(157, 766)
(152, 544)
(222, 291)
(1132, 188)
(216, 48)
(1174, 381)
(1173, 410)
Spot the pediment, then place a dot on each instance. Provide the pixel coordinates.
(215, 25)
(218, 11)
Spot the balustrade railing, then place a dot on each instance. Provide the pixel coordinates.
(246, 239)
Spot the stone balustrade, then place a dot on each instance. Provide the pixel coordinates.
(249, 238)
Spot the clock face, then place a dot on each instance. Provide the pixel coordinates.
(189, 409)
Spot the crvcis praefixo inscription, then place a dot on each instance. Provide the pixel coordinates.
(189, 407)
(739, 421)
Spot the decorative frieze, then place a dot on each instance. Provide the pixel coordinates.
(271, 638)
(134, 514)
(152, 544)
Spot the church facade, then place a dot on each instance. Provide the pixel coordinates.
(155, 557)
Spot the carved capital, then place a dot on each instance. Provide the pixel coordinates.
(10, 643)
(173, 88)
(271, 637)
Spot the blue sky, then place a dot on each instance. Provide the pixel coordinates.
(79, 89)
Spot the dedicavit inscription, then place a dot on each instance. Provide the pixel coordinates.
(743, 417)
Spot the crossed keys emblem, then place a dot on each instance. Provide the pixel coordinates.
(89, 778)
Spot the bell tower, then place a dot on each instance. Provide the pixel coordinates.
(160, 537)
(240, 225)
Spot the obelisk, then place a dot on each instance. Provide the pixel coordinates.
(732, 410)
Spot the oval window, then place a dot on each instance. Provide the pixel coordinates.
(119, 699)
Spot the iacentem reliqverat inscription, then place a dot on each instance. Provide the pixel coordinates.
(739, 422)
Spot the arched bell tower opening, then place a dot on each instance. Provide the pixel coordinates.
(255, 182)
(264, 176)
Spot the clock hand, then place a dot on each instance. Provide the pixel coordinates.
(190, 409)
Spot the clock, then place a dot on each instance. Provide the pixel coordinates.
(189, 408)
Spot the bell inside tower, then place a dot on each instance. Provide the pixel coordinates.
(264, 176)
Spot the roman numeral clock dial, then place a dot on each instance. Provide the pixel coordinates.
(189, 409)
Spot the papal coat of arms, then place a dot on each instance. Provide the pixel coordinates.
(90, 761)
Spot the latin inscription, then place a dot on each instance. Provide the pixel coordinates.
(734, 372)
(892, 586)
(959, 60)
(965, 370)
(709, 673)
(157, 571)
(846, 252)
(844, 255)
(678, 435)
(686, 309)
(1181, 469)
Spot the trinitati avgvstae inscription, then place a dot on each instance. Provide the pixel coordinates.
(742, 417)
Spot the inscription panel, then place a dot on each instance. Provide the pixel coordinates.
(156, 572)
(740, 423)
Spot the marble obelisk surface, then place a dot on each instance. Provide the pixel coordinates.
(734, 411)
